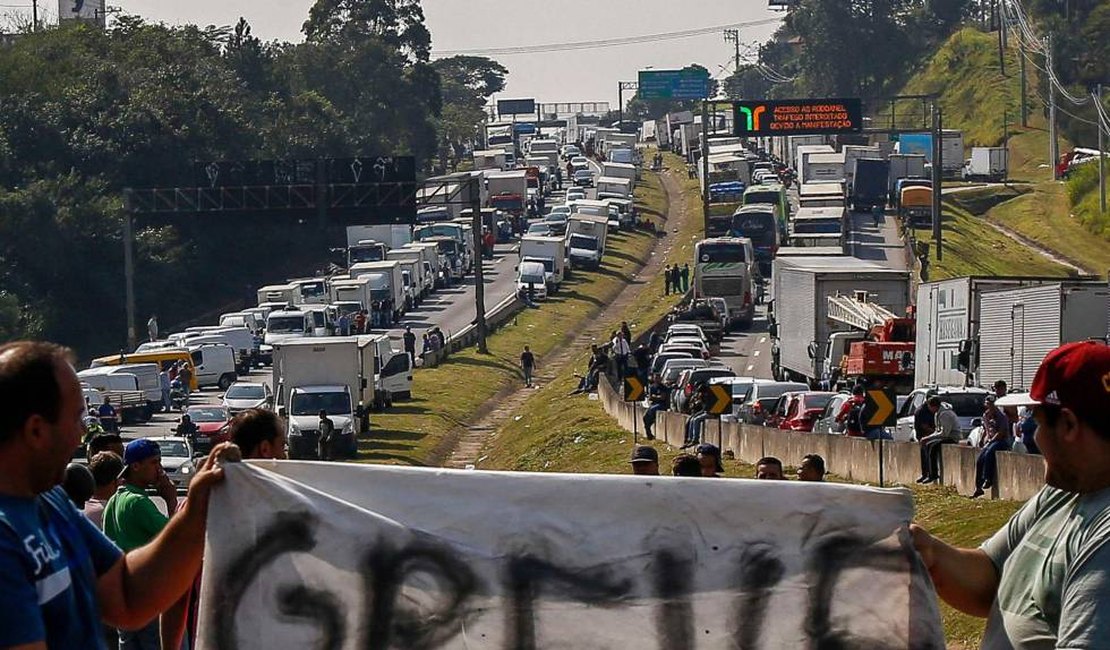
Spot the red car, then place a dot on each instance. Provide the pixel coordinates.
(212, 423)
(797, 411)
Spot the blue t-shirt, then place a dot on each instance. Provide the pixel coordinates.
(50, 559)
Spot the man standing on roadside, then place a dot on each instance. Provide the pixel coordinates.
(152, 328)
(527, 365)
(666, 280)
(1043, 580)
(185, 376)
(131, 519)
(621, 350)
(684, 274)
(409, 340)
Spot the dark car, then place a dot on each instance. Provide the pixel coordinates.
(688, 382)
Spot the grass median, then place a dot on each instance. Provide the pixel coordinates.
(452, 394)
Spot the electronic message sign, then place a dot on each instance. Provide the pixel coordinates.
(797, 116)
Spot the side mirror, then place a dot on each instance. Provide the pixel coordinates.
(220, 396)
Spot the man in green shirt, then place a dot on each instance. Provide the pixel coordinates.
(1043, 579)
(131, 519)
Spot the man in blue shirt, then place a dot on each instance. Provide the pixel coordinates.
(59, 575)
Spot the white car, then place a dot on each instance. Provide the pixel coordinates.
(243, 395)
(968, 403)
(177, 460)
(559, 209)
(576, 193)
(579, 163)
(685, 330)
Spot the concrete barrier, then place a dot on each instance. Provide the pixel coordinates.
(958, 468)
(1020, 476)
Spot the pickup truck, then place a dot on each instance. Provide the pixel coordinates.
(704, 315)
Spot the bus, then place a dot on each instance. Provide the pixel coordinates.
(724, 267)
(761, 223)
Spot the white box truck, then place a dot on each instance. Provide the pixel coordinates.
(948, 322)
(610, 187)
(1018, 327)
(822, 168)
(551, 252)
(354, 290)
(392, 235)
(800, 327)
(310, 291)
(329, 374)
(586, 240)
(852, 152)
(277, 293)
(434, 259)
(619, 170)
(794, 144)
(420, 276)
(386, 283)
(489, 159)
(987, 164)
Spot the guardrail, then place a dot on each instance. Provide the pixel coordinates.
(468, 336)
(1019, 476)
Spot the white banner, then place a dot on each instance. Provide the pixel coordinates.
(330, 556)
(90, 10)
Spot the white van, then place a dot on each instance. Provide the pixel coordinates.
(246, 319)
(284, 324)
(534, 274)
(214, 364)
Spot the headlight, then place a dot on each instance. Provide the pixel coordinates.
(294, 430)
(349, 429)
(185, 469)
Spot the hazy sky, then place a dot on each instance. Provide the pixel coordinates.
(583, 75)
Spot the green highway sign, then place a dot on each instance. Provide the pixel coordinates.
(689, 83)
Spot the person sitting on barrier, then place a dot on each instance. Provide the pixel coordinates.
(812, 469)
(1044, 578)
(769, 468)
(709, 460)
(996, 437)
(599, 361)
(698, 401)
(660, 399)
(946, 431)
(686, 465)
(851, 413)
(645, 461)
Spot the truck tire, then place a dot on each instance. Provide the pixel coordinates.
(226, 380)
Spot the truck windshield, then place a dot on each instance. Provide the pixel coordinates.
(447, 247)
(313, 290)
(365, 254)
(757, 226)
(379, 294)
(528, 278)
(548, 263)
(721, 253)
(313, 403)
(285, 324)
(583, 241)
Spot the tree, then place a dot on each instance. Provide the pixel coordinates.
(466, 83)
(399, 24)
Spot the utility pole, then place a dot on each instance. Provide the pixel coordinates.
(34, 15)
(1002, 36)
(938, 166)
(479, 287)
(1053, 151)
(1024, 103)
(129, 272)
(733, 36)
(1101, 156)
(705, 164)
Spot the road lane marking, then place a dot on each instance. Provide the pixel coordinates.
(749, 369)
(763, 340)
(756, 353)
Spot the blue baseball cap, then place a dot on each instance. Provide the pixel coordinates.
(139, 450)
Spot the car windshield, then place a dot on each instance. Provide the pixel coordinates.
(764, 196)
(538, 229)
(966, 405)
(720, 253)
(528, 278)
(775, 391)
(313, 403)
(207, 414)
(556, 217)
(173, 448)
(245, 392)
(817, 401)
(283, 324)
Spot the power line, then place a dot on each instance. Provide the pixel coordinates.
(603, 43)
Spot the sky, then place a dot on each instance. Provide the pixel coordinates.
(580, 75)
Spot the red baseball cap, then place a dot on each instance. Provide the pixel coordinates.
(1075, 376)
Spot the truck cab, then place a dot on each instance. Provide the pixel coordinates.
(532, 274)
(289, 323)
(366, 250)
(303, 414)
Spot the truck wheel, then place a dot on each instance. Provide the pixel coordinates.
(226, 381)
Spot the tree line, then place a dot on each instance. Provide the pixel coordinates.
(85, 112)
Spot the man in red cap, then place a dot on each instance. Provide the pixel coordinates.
(1043, 579)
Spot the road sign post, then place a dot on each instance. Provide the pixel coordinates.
(880, 410)
(633, 391)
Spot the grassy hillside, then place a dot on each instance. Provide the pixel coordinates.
(979, 100)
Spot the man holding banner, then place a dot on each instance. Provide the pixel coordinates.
(1044, 578)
